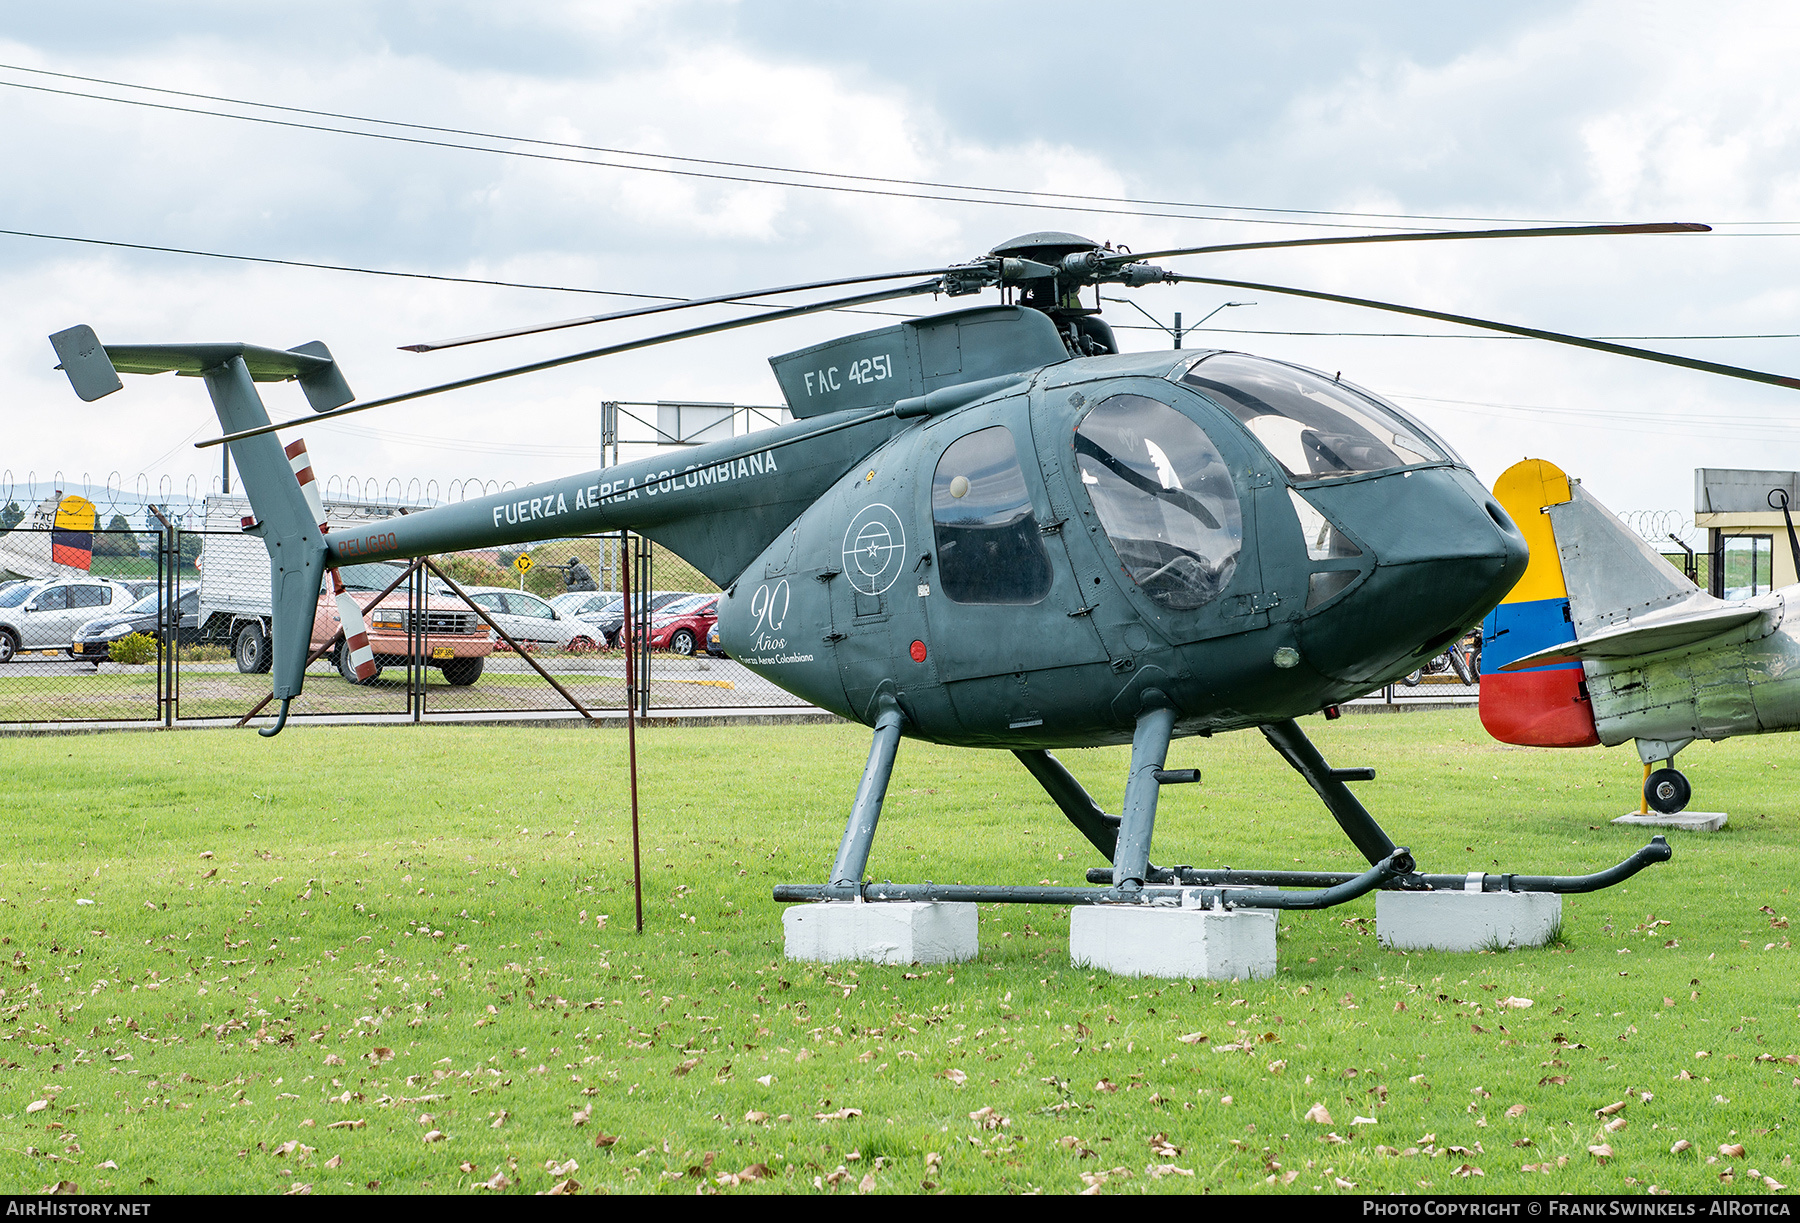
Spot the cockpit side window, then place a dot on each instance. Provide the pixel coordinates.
(989, 547)
(1164, 497)
(1316, 428)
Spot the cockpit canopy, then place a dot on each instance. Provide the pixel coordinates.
(1316, 427)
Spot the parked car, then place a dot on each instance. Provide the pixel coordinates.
(457, 643)
(95, 638)
(612, 619)
(581, 602)
(44, 615)
(532, 622)
(682, 625)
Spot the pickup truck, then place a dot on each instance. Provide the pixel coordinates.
(457, 641)
(234, 599)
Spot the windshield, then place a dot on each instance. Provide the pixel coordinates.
(374, 576)
(144, 606)
(16, 595)
(1316, 427)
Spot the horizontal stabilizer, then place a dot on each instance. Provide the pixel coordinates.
(94, 369)
(1668, 629)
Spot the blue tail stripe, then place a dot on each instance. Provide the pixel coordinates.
(1514, 630)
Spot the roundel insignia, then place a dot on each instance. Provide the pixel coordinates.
(918, 651)
(874, 549)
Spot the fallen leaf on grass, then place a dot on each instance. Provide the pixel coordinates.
(1158, 1171)
(1517, 1110)
(435, 1136)
(1341, 1183)
(1362, 1121)
(685, 1067)
(1601, 1152)
(1610, 1109)
(582, 1115)
(956, 1076)
(37, 1106)
(1192, 1038)
(1318, 1115)
(1615, 1125)
(559, 1189)
(842, 1114)
(1732, 1150)
(334, 1161)
(867, 1184)
(297, 1190)
(381, 1053)
(1679, 1147)
(604, 1139)
(1106, 1085)
(495, 1182)
(1160, 1145)
(357, 1124)
(989, 1119)
(1516, 1003)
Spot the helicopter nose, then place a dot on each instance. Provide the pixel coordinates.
(1445, 553)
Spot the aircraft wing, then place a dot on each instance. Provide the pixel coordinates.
(1668, 629)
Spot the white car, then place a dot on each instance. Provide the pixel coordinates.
(580, 602)
(45, 614)
(533, 622)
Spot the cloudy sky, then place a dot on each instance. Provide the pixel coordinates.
(1151, 124)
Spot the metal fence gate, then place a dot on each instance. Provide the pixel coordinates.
(461, 635)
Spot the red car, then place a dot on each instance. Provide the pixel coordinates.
(682, 626)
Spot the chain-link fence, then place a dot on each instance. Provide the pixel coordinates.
(174, 626)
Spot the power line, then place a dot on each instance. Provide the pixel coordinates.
(700, 174)
(362, 271)
(758, 166)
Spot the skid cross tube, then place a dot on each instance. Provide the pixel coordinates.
(1288, 739)
(1137, 822)
(865, 813)
(1567, 885)
(1101, 829)
(1396, 864)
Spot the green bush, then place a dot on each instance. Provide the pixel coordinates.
(133, 650)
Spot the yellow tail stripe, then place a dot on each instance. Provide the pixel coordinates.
(1524, 489)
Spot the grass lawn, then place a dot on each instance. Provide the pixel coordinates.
(402, 959)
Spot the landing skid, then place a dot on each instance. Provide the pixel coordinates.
(1125, 839)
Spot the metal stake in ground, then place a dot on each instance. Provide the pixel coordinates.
(637, 869)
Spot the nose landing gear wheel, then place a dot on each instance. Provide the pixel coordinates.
(1667, 791)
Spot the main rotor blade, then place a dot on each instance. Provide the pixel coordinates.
(435, 345)
(667, 337)
(1448, 235)
(1554, 337)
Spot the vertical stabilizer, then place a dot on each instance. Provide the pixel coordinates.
(285, 522)
(1545, 706)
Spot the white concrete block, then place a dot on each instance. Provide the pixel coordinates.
(1466, 921)
(1157, 941)
(1687, 821)
(881, 932)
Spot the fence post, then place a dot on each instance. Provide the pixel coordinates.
(168, 634)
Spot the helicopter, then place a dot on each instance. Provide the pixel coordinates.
(1604, 641)
(991, 528)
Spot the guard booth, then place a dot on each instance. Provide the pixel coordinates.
(1746, 533)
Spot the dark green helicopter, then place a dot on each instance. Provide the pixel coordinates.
(991, 528)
